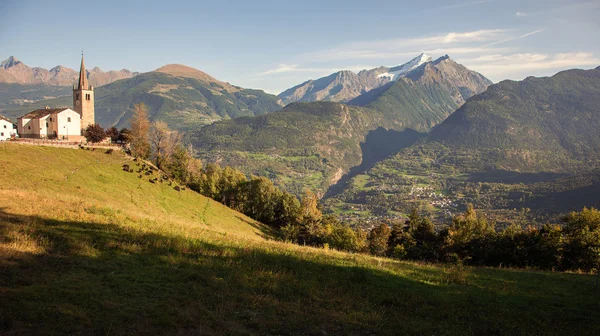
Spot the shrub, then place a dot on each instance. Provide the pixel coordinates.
(94, 133)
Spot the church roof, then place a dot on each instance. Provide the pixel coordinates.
(43, 112)
(83, 81)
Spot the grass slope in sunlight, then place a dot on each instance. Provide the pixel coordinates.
(86, 248)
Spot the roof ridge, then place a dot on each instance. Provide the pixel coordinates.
(43, 112)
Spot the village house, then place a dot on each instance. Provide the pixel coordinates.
(62, 123)
(7, 129)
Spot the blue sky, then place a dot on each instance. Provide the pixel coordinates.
(274, 45)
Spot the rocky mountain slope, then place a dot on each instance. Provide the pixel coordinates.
(345, 85)
(425, 95)
(14, 71)
(511, 147)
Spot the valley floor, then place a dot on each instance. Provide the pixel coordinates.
(86, 248)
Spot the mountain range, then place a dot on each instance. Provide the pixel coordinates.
(531, 145)
(424, 95)
(314, 144)
(182, 96)
(14, 71)
(345, 85)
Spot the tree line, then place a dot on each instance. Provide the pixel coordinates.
(470, 238)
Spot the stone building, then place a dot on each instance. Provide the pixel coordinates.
(7, 129)
(62, 123)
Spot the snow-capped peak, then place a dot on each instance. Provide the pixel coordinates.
(402, 70)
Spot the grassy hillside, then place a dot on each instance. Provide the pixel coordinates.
(88, 185)
(86, 248)
(183, 102)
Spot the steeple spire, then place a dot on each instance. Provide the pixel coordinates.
(83, 97)
(83, 81)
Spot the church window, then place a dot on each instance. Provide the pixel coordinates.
(50, 118)
(2, 134)
(69, 119)
(77, 96)
(29, 127)
(46, 124)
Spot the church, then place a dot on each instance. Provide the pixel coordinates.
(62, 123)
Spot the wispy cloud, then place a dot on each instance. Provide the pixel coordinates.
(294, 68)
(514, 38)
(394, 48)
(394, 51)
(526, 63)
(531, 33)
(479, 50)
(521, 14)
(461, 4)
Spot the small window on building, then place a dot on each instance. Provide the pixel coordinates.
(77, 96)
(46, 124)
(69, 119)
(50, 118)
(2, 134)
(28, 127)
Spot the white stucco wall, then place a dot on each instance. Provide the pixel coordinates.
(60, 125)
(6, 130)
(69, 123)
(43, 126)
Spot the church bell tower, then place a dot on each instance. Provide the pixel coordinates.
(83, 98)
